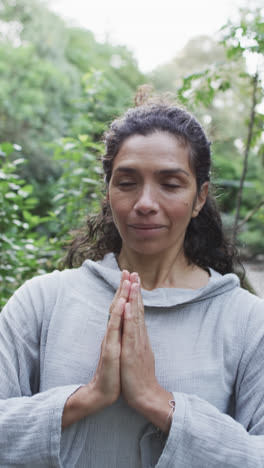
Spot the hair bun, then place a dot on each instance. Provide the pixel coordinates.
(144, 95)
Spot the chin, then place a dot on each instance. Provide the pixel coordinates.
(147, 249)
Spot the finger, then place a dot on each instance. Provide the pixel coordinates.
(134, 277)
(113, 333)
(124, 294)
(137, 310)
(133, 293)
(124, 276)
(133, 300)
(140, 302)
(122, 291)
(128, 335)
(125, 290)
(141, 312)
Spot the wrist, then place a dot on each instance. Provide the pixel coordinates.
(156, 406)
(85, 401)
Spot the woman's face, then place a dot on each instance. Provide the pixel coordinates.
(153, 193)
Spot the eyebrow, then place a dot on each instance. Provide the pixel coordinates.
(131, 170)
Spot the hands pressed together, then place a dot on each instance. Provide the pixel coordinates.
(126, 365)
(126, 362)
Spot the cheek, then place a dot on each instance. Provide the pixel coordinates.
(184, 203)
(119, 207)
(181, 209)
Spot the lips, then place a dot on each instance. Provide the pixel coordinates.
(146, 226)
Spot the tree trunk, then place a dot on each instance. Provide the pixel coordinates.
(246, 154)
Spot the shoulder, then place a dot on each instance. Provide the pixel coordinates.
(30, 301)
(38, 295)
(54, 281)
(237, 306)
(254, 309)
(247, 303)
(44, 291)
(247, 311)
(38, 300)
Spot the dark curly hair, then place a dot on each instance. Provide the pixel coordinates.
(205, 244)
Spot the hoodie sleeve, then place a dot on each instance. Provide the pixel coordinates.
(201, 435)
(30, 422)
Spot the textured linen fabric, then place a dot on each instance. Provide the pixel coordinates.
(209, 351)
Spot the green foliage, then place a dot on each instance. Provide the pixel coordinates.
(213, 80)
(59, 89)
(245, 36)
(36, 101)
(22, 251)
(78, 191)
(251, 237)
(226, 175)
(56, 81)
(25, 249)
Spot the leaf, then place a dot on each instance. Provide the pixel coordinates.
(13, 186)
(31, 247)
(10, 195)
(90, 181)
(78, 171)
(7, 148)
(225, 85)
(22, 193)
(27, 215)
(83, 138)
(10, 279)
(28, 188)
(69, 146)
(17, 222)
(58, 197)
(19, 161)
(17, 147)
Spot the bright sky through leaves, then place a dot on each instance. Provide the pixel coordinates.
(155, 31)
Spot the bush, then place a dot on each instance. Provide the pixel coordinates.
(22, 251)
(31, 244)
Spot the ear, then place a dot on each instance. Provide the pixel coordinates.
(200, 199)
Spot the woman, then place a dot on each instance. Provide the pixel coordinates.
(148, 354)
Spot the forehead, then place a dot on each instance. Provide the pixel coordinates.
(160, 148)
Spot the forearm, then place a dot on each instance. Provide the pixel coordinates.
(85, 401)
(200, 435)
(155, 406)
(30, 427)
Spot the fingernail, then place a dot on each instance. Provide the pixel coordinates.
(137, 278)
(125, 284)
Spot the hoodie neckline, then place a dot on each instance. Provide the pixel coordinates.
(108, 270)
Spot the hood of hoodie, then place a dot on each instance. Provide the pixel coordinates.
(108, 270)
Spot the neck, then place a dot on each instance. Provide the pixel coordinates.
(163, 271)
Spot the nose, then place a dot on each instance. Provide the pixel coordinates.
(146, 202)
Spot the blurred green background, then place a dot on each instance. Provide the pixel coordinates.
(60, 88)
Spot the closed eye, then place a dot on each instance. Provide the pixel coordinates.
(171, 186)
(126, 185)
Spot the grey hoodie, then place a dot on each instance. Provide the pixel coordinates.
(209, 351)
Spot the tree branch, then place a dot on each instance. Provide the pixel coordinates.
(246, 154)
(250, 214)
